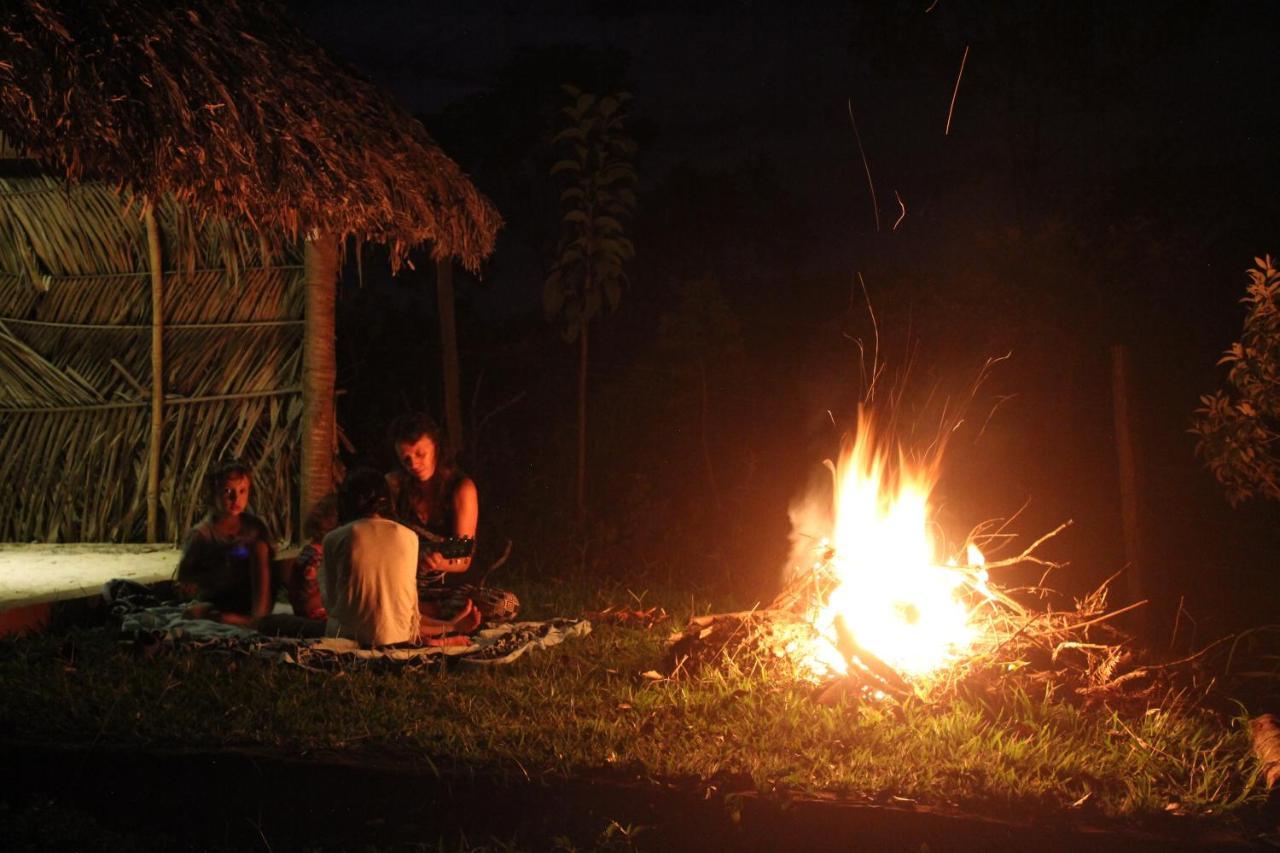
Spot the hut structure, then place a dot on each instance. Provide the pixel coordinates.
(178, 181)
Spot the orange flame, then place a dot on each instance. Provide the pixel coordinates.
(899, 598)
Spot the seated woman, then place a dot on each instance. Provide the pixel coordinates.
(440, 503)
(368, 575)
(226, 558)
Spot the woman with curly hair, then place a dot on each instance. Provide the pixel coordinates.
(440, 503)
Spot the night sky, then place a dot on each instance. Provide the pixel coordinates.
(1108, 176)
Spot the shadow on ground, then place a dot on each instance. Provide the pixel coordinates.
(126, 798)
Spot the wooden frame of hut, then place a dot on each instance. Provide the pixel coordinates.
(177, 183)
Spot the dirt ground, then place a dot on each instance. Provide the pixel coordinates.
(36, 573)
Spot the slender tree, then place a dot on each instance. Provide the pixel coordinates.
(587, 276)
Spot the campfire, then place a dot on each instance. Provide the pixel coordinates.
(882, 588)
(878, 602)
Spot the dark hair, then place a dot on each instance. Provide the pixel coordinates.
(223, 473)
(409, 427)
(362, 494)
(322, 518)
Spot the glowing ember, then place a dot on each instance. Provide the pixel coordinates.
(896, 595)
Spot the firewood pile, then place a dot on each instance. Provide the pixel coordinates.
(760, 641)
(1078, 652)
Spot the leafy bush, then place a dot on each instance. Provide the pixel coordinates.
(1239, 426)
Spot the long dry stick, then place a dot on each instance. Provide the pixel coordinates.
(1103, 618)
(1028, 555)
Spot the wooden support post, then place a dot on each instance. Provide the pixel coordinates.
(449, 351)
(581, 493)
(1127, 458)
(319, 371)
(155, 439)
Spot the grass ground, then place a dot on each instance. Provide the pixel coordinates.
(587, 707)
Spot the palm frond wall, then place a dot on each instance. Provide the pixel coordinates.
(75, 364)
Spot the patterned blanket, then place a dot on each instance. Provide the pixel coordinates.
(155, 626)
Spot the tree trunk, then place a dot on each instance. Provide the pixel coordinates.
(449, 351)
(1127, 458)
(582, 425)
(319, 371)
(706, 443)
(155, 439)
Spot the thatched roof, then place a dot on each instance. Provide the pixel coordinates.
(226, 106)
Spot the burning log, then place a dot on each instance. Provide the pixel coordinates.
(858, 657)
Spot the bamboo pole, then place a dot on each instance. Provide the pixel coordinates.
(581, 495)
(140, 327)
(169, 401)
(156, 436)
(449, 350)
(319, 371)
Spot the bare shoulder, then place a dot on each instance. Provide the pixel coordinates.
(466, 490)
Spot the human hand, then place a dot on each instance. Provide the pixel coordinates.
(199, 610)
(438, 563)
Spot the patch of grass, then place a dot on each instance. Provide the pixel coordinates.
(584, 706)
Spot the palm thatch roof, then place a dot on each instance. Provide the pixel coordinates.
(227, 106)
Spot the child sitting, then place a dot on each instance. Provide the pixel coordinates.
(226, 558)
(303, 585)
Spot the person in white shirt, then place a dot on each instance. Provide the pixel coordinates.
(368, 576)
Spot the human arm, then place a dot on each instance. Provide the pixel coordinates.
(260, 578)
(335, 557)
(185, 585)
(466, 513)
(259, 588)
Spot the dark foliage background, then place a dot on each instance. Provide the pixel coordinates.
(1106, 179)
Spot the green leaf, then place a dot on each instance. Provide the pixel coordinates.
(574, 133)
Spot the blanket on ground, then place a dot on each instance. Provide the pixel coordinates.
(157, 626)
